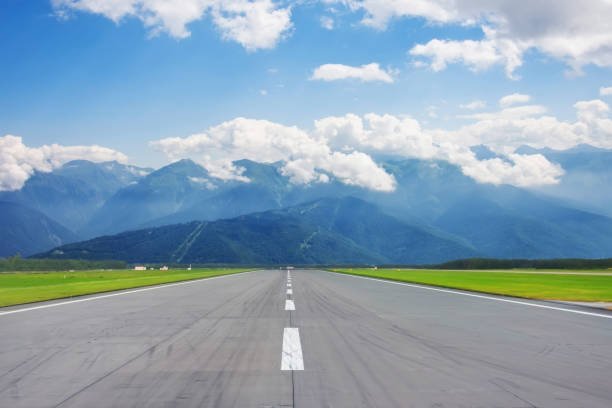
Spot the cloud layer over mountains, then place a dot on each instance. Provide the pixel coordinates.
(18, 161)
(306, 159)
(343, 146)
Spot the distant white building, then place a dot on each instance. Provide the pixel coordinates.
(163, 268)
(140, 268)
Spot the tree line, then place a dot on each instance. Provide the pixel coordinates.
(490, 263)
(17, 263)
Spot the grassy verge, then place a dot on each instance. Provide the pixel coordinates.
(25, 287)
(585, 288)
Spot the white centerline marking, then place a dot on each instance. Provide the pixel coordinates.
(161, 286)
(292, 350)
(289, 285)
(476, 296)
(289, 304)
(290, 291)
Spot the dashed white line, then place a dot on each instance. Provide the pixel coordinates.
(291, 358)
(291, 355)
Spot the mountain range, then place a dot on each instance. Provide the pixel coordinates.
(588, 176)
(439, 212)
(329, 230)
(73, 193)
(27, 231)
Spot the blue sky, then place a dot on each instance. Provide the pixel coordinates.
(71, 75)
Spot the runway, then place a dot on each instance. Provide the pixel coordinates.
(304, 339)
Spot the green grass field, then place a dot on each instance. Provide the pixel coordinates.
(585, 288)
(25, 287)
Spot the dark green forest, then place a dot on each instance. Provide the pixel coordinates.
(17, 263)
(488, 263)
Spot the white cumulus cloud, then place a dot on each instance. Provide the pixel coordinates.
(605, 91)
(366, 73)
(403, 136)
(512, 127)
(576, 32)
(254, 24)
(327, 22)
(522, 170)
(477, 104)
(306, 159)
(342, 146)
(513, 112)
(477, 55)
(18, 162)
(513, 99)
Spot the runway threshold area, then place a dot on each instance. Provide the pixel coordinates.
(303, 339)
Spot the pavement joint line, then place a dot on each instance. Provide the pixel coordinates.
(456, 292)
(160, 286)
(289, 304)
(291, 356)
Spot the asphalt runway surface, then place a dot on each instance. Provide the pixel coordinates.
(315, 339)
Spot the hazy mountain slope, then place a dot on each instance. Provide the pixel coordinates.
(528, 228)
(587, 182)
(163, 192)
(368, 227)
(425, 190)
(72, 193)
(184, 191)
(498, 221)
(432, 196)
(228, 199)
(325, 231)
(27, 231)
